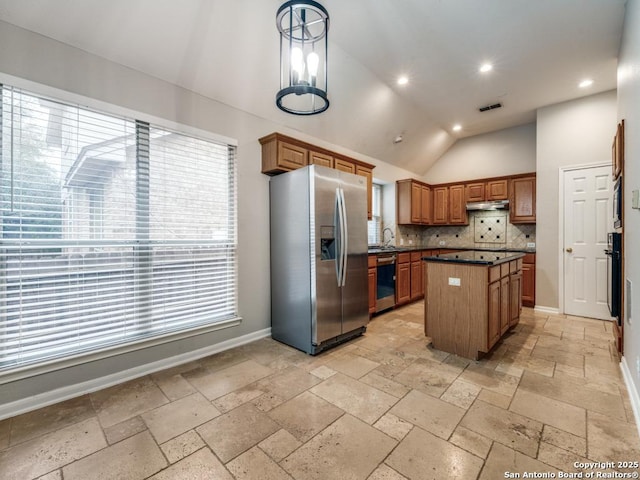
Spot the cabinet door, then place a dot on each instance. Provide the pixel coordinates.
(475, 192)
(494, 314)
(416, 280)
(515, 300)
(403, 283)
(368, 174)
(440, 206)
(522, 208)
(292, 156)
(425, 205)
(317, 158)
(529, 284)
(373, 281)
(344, 165)
(497, 189)
(504, 305)
(416, 202)
(457, 205)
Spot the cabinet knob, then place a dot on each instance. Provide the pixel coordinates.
(569, 250)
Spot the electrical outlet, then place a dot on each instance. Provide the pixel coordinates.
(401, 241)
(442, 242)
(454, 282)
(531, 244)
(410, 242)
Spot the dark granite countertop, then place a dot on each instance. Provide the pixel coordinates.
(374, 250)
(477, 257)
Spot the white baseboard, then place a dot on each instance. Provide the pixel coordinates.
(65, 393)
(543, 309)
(634, 397)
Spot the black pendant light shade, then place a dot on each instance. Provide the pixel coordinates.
(303, 27)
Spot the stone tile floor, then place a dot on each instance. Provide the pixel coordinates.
(385, 406)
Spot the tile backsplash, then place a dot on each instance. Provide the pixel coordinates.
(486, 229)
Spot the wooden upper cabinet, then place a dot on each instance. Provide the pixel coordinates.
(425, 205)
(368, 174)
(344, 165)
(317, 158)
(457, 205)
(497, 189)
(440, 206)
(522, 203)
(413, 203)
(475, 192)
(281, 155)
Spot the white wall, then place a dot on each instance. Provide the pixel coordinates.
(504, 152)
(629, 110)
(577, 132)
(34, 58)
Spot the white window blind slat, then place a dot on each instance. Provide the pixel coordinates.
(111, 230)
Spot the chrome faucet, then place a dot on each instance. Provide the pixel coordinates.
(391, 238)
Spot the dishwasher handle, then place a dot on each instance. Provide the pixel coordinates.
(386, 260)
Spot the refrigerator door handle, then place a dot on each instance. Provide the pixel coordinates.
(337, 220)
(345, 238)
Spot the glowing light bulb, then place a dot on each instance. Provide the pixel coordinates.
(297, 64)
(313, 60)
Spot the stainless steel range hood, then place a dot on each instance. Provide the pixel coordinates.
(493, 205)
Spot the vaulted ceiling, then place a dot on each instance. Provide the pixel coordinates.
(228, 50)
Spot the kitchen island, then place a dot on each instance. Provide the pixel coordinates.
(471, 299)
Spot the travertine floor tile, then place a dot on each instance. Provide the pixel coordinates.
(611, 440)
(348, 448)
(384, 472)
(116, 404)
(279, 445)
(508, 428)
(352, 365)
(559, 457)
(55, 475)
(243, 428)
(461, 394)
(177, 417)
(429, 377)
(214, 384)
(497, 399)
(558, 356)
(551, 412)
(125, 429)
(443, 460)
(33, 424)
(502, 459)
(393, 426)
(5, 429)
(235, 399)
(305, 415)
(489, 379)
(283, 386)
(201, 465)
(51, 451)
(385, 384)
(323, 372)
(135, 458)
(471, 441)
(174, 385)
(429, 413)
(254, 464)
(182, 446)
(566, 440)
(354, 397)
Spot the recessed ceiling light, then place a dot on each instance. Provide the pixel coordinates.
(486, 67)
(403, 80)
(457, 127)
(585, 83)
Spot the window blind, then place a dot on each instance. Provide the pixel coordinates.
(374, 226)
(113, 230)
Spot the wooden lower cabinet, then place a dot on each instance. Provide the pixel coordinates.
(403, 279)
(494, 313)
(515, 295)
(528, 286)
(417, 276)
(505, 314)
(373, 283)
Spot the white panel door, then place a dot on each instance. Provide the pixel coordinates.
(587, 220)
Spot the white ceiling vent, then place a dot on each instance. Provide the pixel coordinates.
(490, 107)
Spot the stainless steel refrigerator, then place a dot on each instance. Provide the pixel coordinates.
(319, 288)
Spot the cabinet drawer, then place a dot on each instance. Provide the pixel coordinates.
(494, 273)
(504, 269)
(404, 257)
(415, 256)
(372, 262)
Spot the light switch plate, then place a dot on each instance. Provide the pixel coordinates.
(634, 200)
(454, 282)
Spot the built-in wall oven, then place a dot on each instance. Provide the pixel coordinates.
(386, 284)
(614, 274)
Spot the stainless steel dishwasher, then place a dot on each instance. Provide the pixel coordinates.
(386, 284)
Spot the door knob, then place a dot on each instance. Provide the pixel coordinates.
(569, 250)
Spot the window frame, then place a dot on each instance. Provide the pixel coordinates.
(21, 371)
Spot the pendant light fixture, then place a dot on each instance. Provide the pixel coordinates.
(303, 27)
